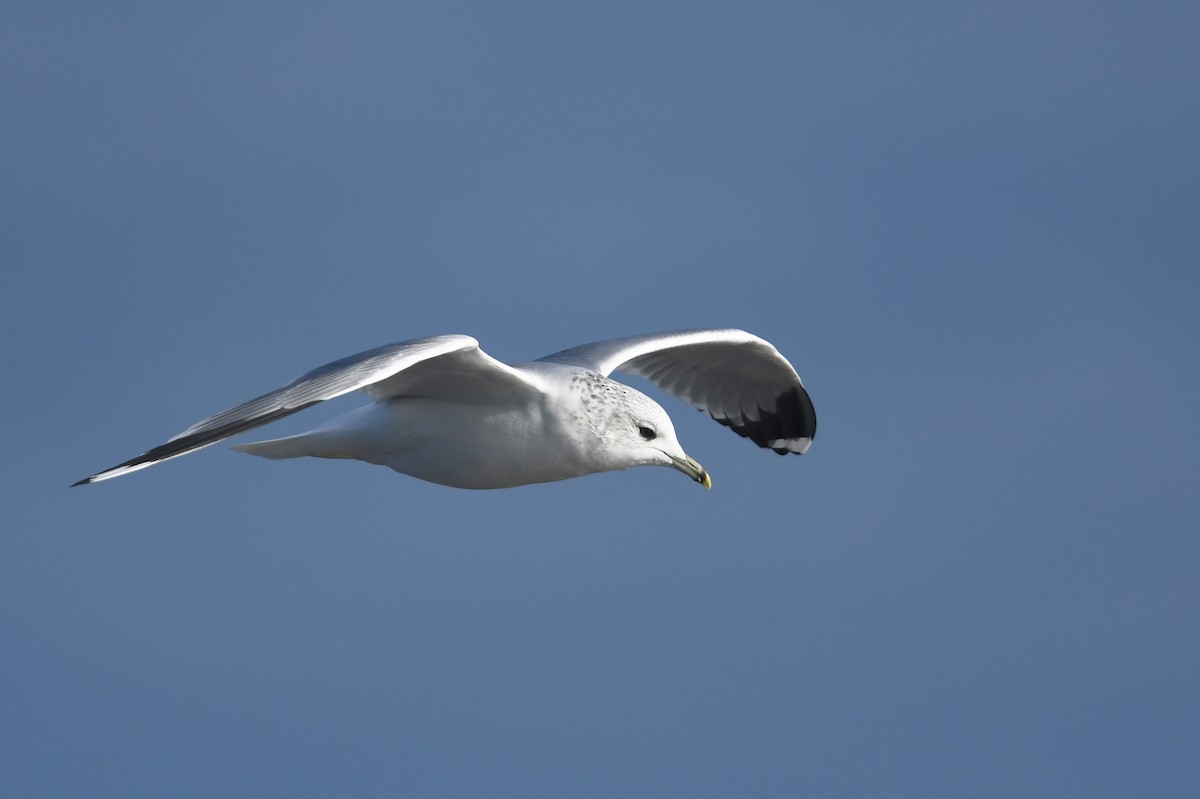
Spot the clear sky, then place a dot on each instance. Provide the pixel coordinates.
(972, 227)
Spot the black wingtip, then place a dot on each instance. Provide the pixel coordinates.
(793, 418)
(805, 413)
(82, 482)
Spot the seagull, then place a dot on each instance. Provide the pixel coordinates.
(445, 411)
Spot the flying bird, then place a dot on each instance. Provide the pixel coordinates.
(445, 411)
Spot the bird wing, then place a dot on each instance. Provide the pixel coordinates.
(737, 378)
(441, 367)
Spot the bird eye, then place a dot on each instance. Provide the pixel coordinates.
(647, 432)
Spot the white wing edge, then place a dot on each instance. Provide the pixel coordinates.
(606, 356)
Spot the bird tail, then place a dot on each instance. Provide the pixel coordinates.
(343, 437)
(280, 448)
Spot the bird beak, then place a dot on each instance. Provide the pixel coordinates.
(692, 469)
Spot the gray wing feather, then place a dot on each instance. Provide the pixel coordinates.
(376, 371)
(332, 380)
(736, 377)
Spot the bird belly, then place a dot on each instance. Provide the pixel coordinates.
(465, 446)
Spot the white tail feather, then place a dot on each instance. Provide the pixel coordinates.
(280, 448)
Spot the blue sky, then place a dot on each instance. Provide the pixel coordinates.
(971, 227)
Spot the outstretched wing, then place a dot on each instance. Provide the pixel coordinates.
(447, 367)
(736, 377)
